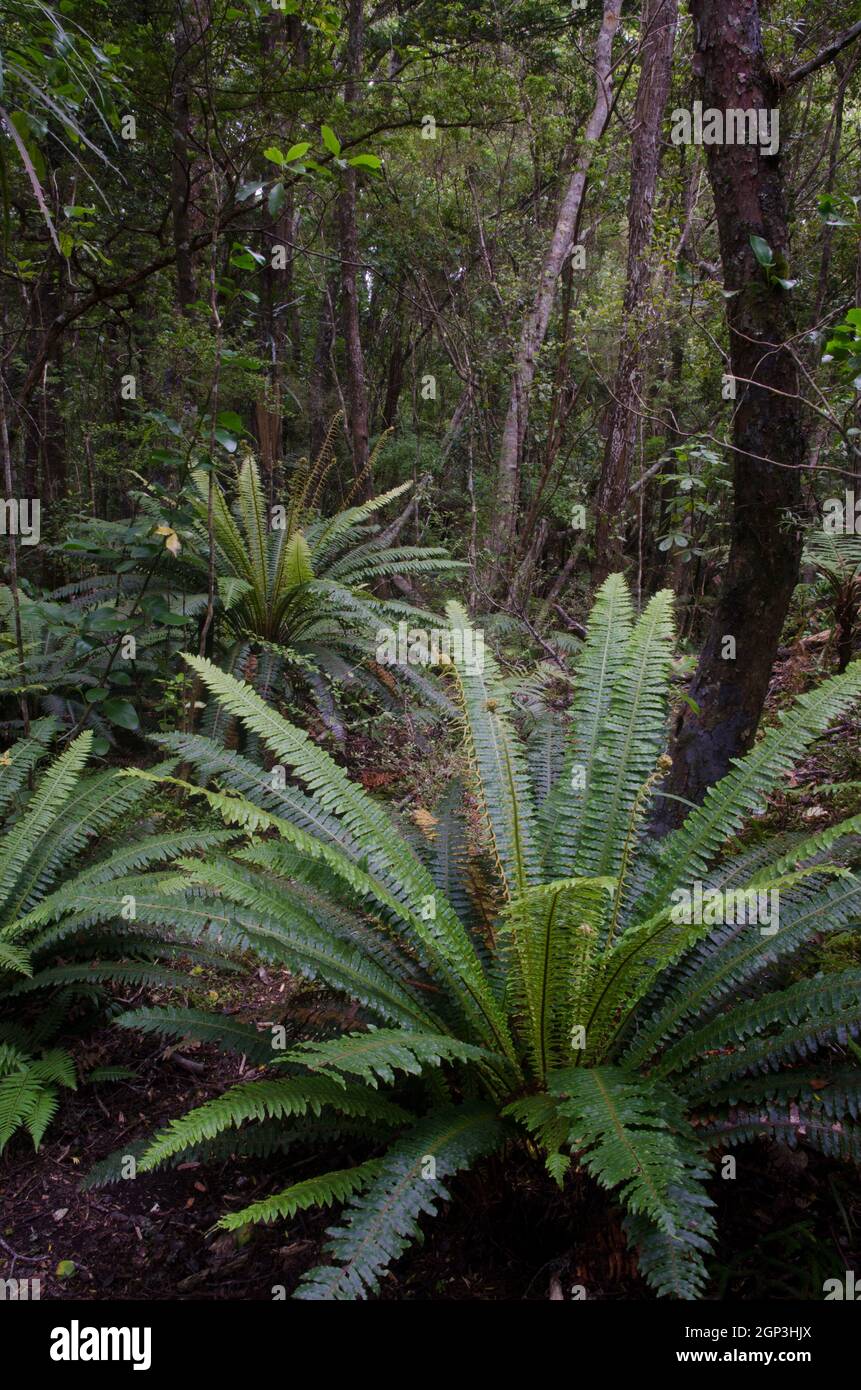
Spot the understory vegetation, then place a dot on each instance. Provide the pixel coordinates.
(430, 665)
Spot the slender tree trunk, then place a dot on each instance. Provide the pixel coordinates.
(186, 35)
(320, 376)
(12, 542)
(283, 49)
(44, 455)
(357, 389)
(398, 357)
(534, 329)
(768, 436)
(659, 21)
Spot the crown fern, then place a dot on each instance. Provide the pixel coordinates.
(565, 1004)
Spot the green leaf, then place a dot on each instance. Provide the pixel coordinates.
(330, 140)
(226, 440)
(761, 250)
(297, 561)
(122, 713)
(229, 418)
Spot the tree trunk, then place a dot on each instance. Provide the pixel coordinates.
(186, 34)
(768, 427)
(279, 338)
(534, 330)
(659, 21)
(357, 390)
(320, 376)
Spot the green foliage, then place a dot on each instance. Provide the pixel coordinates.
(577, 1005)
(836, 557)
(48, 878)
(296, 611)
(28, 1090)
(52, 73)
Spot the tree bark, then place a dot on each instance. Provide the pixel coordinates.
(768, 432)
(186, 34)
(659, 21)
(357, 389)
(534, 329)
(279, 336)
(320, 376)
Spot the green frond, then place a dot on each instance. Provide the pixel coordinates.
(301, 940)
(378, 1054)
(228, 537)
(806, 1014)
(443, 936)
(685, 854)
(321, 1191)
(545, 756)
(295, 568)
(41, 1114)
(553, 931)
(252, 510)
(631, 739)
(262, 1100)
(27, 1090)
(23, 757)
(91, 807)
(675, 1265)
(381, 1223)
(792, 1108)
(227, 1033)
(539, 1114)
(598, 667)
(498, 761)
(323, 539)
(11, 958)
(54, 788)
(96, 972)
(734, 955)
(630, 1135)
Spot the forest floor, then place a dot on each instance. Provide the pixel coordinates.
(788, 1220)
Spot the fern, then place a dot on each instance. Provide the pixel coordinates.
(378, 1055)
(45, 909)
(379, 1224)
(531, 983)
(265, 1100)
(313, 1192)
(28, 1090)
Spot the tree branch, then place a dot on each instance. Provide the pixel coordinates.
(824, 56)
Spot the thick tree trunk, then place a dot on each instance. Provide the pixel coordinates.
(768, 427)
(357, 389)
(534, 330)
(659, 21)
